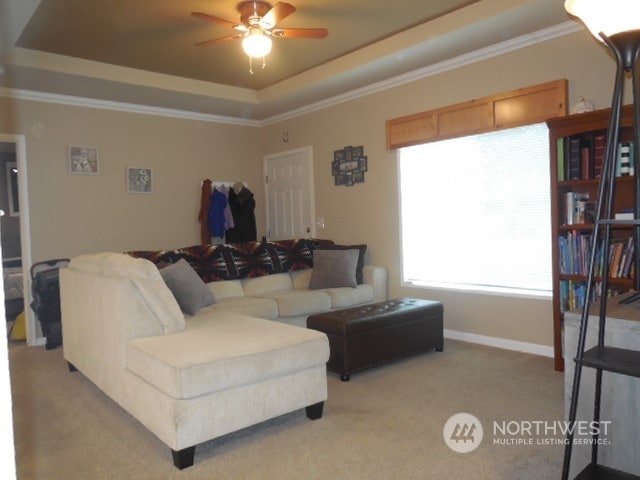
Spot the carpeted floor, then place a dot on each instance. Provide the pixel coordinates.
(385, 423)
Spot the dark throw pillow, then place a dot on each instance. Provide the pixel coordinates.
(190, 291)
(362, 249)
(334, 268)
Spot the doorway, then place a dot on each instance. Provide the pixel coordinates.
(16, 237)
(290, 194)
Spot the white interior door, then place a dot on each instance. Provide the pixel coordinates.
(290, 195)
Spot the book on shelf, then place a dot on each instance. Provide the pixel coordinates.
(575, 158)
(560, 158)
(573, 294)
(599, 141)
(579, 209)
(624, 160)
(625, 214)
(575, 252)
(581, 157)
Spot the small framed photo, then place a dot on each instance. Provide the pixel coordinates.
(139, 180)
(83, 160)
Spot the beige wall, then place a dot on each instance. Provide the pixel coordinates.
(73, 214)
(369, 212)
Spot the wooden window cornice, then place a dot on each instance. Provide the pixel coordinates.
(506, 110)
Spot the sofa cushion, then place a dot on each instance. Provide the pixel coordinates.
(362, 250)
(222, 352)
(226, 289)
(270, 283)
(190, 291)
(301, 279)
(252, 306)
(349, 297)
(300, 302)
(334, 268)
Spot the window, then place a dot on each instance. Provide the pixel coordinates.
(476, 212)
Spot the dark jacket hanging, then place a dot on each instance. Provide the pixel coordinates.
(205, 232)
(243, 210)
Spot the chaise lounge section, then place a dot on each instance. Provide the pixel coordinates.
(193, 378)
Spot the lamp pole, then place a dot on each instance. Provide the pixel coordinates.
(626, 48)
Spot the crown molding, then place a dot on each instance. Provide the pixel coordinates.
(74, 101)
(497, 49)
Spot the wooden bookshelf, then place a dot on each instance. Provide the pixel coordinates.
(576, 229)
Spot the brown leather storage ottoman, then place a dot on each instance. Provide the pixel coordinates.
(364, 336)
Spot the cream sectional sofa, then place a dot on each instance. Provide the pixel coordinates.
(193, 378)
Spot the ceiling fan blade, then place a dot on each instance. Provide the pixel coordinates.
(302, 33)
(211, 18)
(206, 43)
(278, 12)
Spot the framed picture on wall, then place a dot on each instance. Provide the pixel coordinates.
(139, 180)
(83, 160)
(348, 165)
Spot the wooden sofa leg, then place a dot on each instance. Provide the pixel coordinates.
(72, 367)
(183, 458)
(314, 412)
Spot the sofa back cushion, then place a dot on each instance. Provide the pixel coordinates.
(271, 283)
(301, 279)
(144, 277)
(226, 289)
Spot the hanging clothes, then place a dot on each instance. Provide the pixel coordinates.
(228, 216)
(243, 207)
(203, 216)
(216, 213)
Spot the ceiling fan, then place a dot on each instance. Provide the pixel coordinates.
(258, 24)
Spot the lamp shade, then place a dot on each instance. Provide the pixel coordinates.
(256, 44)
(609, 17)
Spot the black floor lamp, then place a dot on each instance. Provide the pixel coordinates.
(616, 23)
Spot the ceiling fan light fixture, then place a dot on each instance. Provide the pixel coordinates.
(256, 44)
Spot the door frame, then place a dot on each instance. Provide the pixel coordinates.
(312, 193)
(25, 233)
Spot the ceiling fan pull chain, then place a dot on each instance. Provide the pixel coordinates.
(251, 65)
(264, 62)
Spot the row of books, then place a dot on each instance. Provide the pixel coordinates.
(579, 209)
(575, 250)
(572, 294)
(581, 157)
